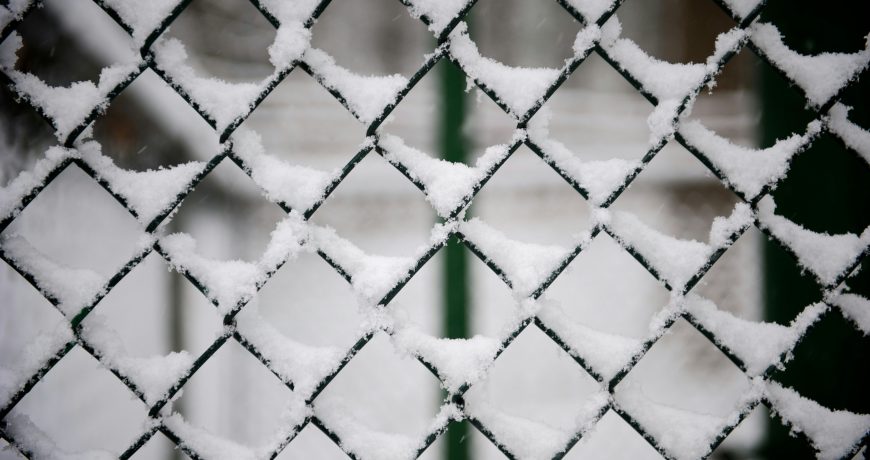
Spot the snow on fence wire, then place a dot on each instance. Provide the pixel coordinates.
(151, 196)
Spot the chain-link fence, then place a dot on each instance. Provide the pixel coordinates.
(758, 349)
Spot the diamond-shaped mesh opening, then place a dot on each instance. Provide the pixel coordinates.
(402, 135)
(71, 96)
(606, 289)
(419, 301)
(312, 443)
(494, 306)
(97, 234)
(221, 208)
(799, 280)
(148, 106)
(486, 123)
(792, 445)
(515, 398)
(34, 318)
(199, 322)
(672, 399)
(851, 96)
(857, 281)
(733, 283)
(684, 31)
(788, 98)
(388, 42)
(201, 24)
(596, 114)
(47, 51)
(729, 107)
(482, 446)
(678, 196)
(851, 36)
(418, 118)
(379, 210)
(327, 317)
(53, 410)
(397, 401)
(599, 439)
(685, 380)
(824, 208)
(237, 379)
(832, 330)
(526, 188)
(158, 447)
(746, 436)
(151, 309)
(27, 135)
(301, 123)
(542, 30)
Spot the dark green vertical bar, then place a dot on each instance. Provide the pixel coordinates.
(454, 147)
(826, 190)
(175, 298)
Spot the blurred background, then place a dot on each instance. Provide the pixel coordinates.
(596, 114)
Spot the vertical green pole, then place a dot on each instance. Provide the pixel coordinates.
(175, 318)
(826, 190)
(454, 147)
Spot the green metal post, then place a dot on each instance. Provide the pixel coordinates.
(454, 147)
(826, 190)
(176, 323)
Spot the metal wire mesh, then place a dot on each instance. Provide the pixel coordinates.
(744, 20)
